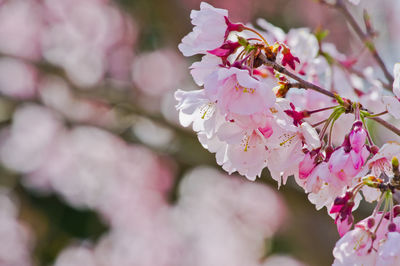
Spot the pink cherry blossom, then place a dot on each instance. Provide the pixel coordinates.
(352, 249)
(208, 32)
(201, 70)
(195, 107)
(16, 236)
(285, 149)
(235, 91)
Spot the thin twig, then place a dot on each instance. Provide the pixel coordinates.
(308, 85)
(365, 38)
(303, 83)
(386, 124)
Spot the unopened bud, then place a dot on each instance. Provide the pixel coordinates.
(374, 149)
(371, 222)
(395, 162)
(328, 151)
(392, 227)
(281, 91)
(396, 210)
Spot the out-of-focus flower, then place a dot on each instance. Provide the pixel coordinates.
(76, 256)
(80, 36)
(17, 78)
(157, 72)
(282, 260)
(17, 38)
(27, 144)
(55, 93)
(15, 237)
(213, 217)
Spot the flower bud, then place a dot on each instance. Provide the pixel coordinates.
(395, 162)
(371, 222)
(396, 210)
(374, 149)
(357, 136)
(392, 227)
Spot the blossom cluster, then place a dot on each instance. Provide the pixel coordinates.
(254, 113)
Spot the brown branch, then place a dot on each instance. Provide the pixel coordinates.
(307, 85)
(386, 124)
(302, 83)
(364, 37)
(295, 85)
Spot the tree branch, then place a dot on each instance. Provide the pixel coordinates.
(307, 85)
(386, 124)
(364, 37)
(302, 83)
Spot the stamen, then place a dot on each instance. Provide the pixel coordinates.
(244, 90)
(207, 110)
(247, 140)
(287, 140)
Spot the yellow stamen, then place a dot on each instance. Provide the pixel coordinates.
(273, 110)
(289, 139)
(244, 90)
(247, 143)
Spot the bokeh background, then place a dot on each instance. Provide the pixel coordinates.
(95, 169)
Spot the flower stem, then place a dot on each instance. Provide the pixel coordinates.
(305, 84)
(320, 110)
(259, 35)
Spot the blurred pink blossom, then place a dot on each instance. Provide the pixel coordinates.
(16, 239)
(21, 25)
(55, 93)
(25, 146)
(156, 72)
(76, 256)
(81, 34)
(17, 78)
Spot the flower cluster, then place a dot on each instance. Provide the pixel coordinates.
(254, 113)
(237, 114)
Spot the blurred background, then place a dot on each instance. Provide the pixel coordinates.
(95, 169)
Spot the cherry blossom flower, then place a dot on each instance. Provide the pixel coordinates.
(235, 91)
(369, 243)
(195, 107)
(210, 31)
(201, 70)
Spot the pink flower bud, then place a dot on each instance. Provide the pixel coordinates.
(392, 227)
(357, 136)
(370, 222)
